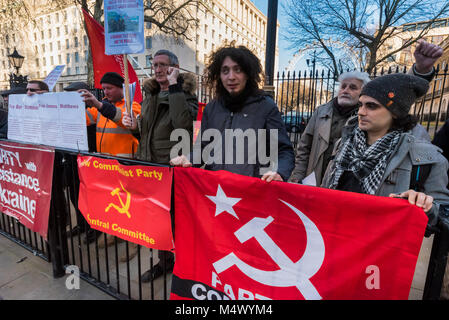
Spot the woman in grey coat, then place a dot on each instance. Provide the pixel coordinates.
(378, 152)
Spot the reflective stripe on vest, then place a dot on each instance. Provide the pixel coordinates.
(118, 130)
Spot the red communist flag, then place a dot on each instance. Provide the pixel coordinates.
(103, 63)
(242, 238)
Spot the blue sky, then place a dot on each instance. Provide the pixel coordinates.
(285, 55)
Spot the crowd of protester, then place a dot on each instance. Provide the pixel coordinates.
(364, 140)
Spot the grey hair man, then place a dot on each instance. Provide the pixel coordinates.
(170, 103)
(317, 142)
(324, 128)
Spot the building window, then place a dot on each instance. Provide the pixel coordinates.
(59, 59)
(43, 48)
(148, 61)
(86, 55)
(76, 42)
(66, 29)
(148, 25)
(134, 62)
(44, 61)
(51, 46)
(67, 44)
(59, 45)
(49, 33)
(77, 57)
(68, 71)
(52, 62)
(42, 34)
(58, 31)
(37, 63)
(148, 42)
(85, 40)
(68, 58)
(77, 70)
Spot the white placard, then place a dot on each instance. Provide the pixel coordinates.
(52, 119)
(53, 77)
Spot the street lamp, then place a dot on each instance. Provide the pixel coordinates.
(16, 80)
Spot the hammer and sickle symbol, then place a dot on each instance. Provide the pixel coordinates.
(125, 207)
(290, 273)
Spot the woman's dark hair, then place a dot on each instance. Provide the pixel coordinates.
(406, 123)
(247, 60)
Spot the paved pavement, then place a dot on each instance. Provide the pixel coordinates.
(28, 277)
(25, 276)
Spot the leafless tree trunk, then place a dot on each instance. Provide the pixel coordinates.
(362, 26)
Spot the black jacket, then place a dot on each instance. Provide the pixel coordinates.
(259, 112)
(3, 123)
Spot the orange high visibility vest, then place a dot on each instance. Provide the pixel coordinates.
(112, 136)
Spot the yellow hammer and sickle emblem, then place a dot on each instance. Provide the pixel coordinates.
(125, 207)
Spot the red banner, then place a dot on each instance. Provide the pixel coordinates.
(242, 238)
(130, 202)
(26, 175)
(104, 63)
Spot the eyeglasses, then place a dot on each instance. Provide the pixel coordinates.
(160, 65)
(33, 89)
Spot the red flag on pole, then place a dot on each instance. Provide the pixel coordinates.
(239, 237)
(103, 63)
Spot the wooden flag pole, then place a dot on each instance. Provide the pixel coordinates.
(127, 95)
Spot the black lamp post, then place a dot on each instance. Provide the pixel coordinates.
(17, 80)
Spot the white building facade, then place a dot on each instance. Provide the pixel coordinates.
(58, 38)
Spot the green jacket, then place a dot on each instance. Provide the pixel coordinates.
(157, 122)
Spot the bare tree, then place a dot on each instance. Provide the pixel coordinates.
(362, 25)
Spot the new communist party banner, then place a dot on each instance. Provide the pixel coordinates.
(242, 238)
(130, 202)
(26, 174)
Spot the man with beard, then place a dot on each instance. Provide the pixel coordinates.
(315, 147)
(239, 105)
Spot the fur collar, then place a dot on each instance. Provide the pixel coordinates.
(188, 81)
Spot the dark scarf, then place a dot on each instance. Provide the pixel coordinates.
(344, 111)
(236, 103)
(368, 163)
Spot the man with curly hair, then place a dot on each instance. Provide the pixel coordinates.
(234, 75)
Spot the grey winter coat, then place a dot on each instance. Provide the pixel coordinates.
(313, 143)
(396, 179)
(259, 112)
(315, 139)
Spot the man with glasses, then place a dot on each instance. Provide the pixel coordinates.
(170, 103)
(36, 86)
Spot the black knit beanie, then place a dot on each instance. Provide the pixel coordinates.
(396, 92)
(113, 78)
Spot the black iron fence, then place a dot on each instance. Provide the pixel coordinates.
(298, 94)
(116, 266)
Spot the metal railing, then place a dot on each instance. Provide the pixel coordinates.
(298, 94)
(100, 264)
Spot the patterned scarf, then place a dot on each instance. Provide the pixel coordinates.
(368, 163)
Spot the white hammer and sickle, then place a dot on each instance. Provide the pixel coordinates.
(290, 273)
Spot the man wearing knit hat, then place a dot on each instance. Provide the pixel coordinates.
(378, 153)
(112, 136)
(315, 147)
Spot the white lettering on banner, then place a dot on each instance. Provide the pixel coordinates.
(18, 201)
(7, 157)
(290, 273)
(19, 179)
